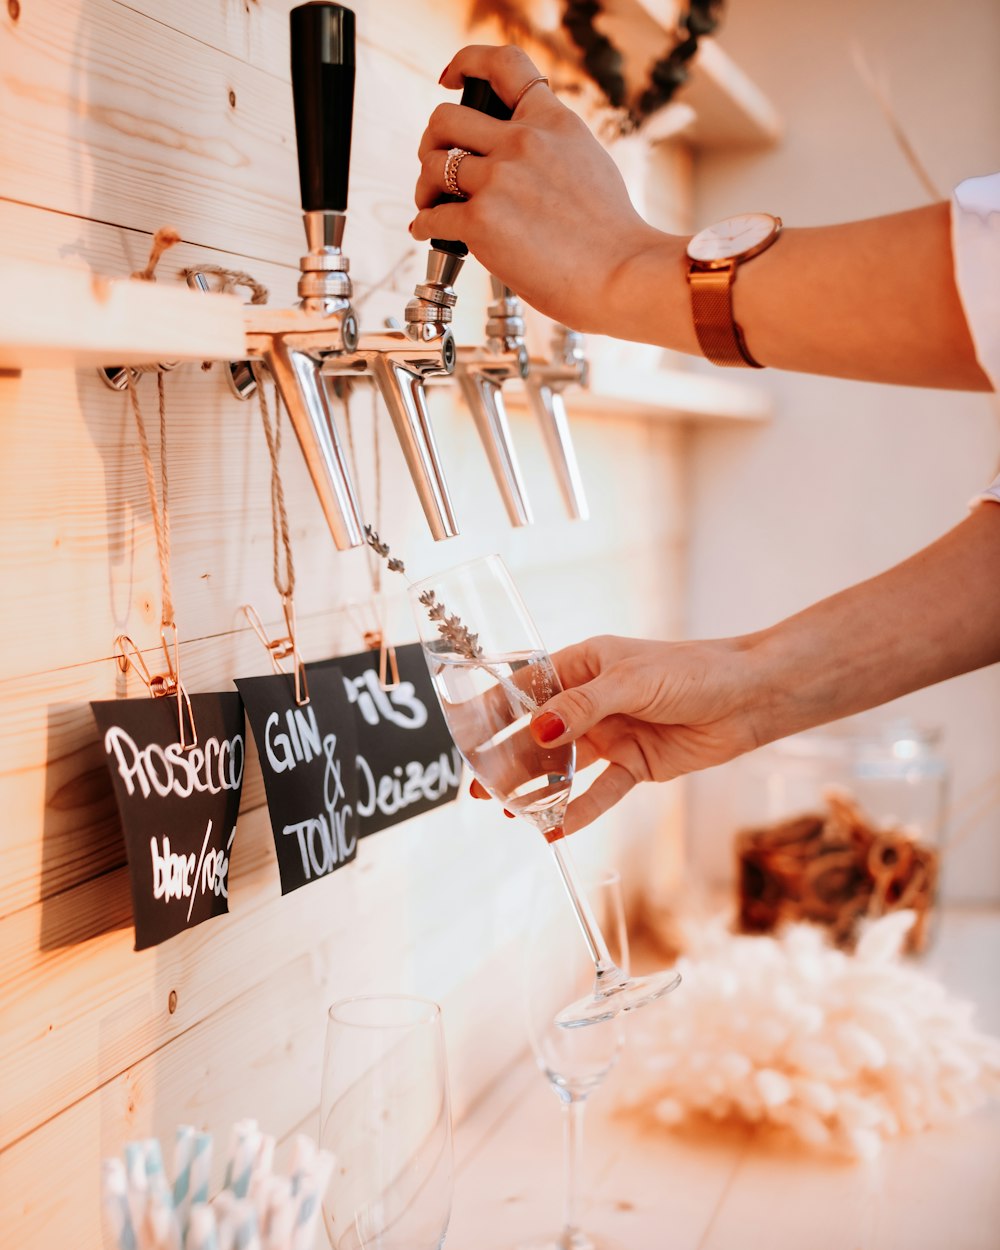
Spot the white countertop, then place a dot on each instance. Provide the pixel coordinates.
(731, 1189)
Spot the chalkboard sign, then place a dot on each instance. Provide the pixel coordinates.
(178, 808)
(307, 758)
(406, 760)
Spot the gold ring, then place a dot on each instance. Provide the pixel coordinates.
(451, 163)
(525, 89)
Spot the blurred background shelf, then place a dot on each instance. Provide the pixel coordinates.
(729, 109)
(661, 394)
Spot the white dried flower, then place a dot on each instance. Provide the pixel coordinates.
(843, 1051)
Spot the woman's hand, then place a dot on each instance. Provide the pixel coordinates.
(547, 210)
(651, 710)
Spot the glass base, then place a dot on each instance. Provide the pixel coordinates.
(626, 995)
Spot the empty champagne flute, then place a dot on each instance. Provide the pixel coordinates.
(385, 1113)
(575, 1061)
(491, 673)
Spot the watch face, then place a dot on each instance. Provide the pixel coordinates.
(736, 236)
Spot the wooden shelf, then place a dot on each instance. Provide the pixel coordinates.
(730, 111)
(56, 316)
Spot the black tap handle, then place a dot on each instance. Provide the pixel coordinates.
(323, 93)
(477, 94)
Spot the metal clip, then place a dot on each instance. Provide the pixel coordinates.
(162, 685)
(375, 641)
(282, 648)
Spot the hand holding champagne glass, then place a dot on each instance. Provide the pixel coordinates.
(491, 672)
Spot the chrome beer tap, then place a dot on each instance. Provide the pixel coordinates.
(481, 373)
(305, 347)
(545, 383)
(294, 343)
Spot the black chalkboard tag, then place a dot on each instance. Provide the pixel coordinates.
(307, 759)
(178, 808)
(407, 762)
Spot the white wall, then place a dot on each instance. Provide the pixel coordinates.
(849, 478)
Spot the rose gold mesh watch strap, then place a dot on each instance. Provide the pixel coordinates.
(719, 337)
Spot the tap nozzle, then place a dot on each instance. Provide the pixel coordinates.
(428, 314)
(545, 383)
(324, 278)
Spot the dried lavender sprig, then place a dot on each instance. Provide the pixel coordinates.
(393, 563)
(451, 628)
(466, 644)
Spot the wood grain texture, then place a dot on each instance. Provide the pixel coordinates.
(114, 120)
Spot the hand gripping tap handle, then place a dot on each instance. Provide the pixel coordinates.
(476, 94)
(322, 37)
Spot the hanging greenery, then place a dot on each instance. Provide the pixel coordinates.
(605, 65)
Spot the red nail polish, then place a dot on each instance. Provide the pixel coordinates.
(547, 727)
(509, 815)
(411, 225)
(444, 73)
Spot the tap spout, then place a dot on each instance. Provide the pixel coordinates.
(545, 383)
(301, 386)
(399, 362)
(481, 375)
(550, 411)
(403, 391)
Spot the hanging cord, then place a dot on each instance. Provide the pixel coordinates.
(375, 639)
(281, 536)
(283, 566)
(230, 279)
(169, 683)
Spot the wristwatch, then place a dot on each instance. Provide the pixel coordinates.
(714, 254)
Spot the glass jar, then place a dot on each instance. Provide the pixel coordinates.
(843, 825)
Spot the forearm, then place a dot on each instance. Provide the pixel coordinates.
(873, 300)
(932, 617)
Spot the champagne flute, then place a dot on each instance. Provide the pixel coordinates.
(575, 1061)
(385, 1114)
(491, 673)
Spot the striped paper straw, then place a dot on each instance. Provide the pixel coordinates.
(201, 1167)
(183, 1154)
(310, 1201)
(202, 1233)
(137, 1184)
(279, 1214)
(247, 1228)
(260, 1173)
(114, 1195)
(244, 1144)
(303, 1160)
(156, 1175)
(163, 1226)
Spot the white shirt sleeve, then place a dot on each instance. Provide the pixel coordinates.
(975, 241)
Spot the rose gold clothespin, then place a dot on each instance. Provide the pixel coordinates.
(375, 641)
(162, 685)
(282, 648)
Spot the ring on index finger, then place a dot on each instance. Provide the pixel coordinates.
(452, 162)
(526, 88)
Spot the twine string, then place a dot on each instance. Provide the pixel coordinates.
(159, 506)
(284, 581)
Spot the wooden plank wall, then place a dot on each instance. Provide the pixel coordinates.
(117, 118)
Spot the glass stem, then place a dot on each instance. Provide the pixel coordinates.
(573, 1109)
(589, 927)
